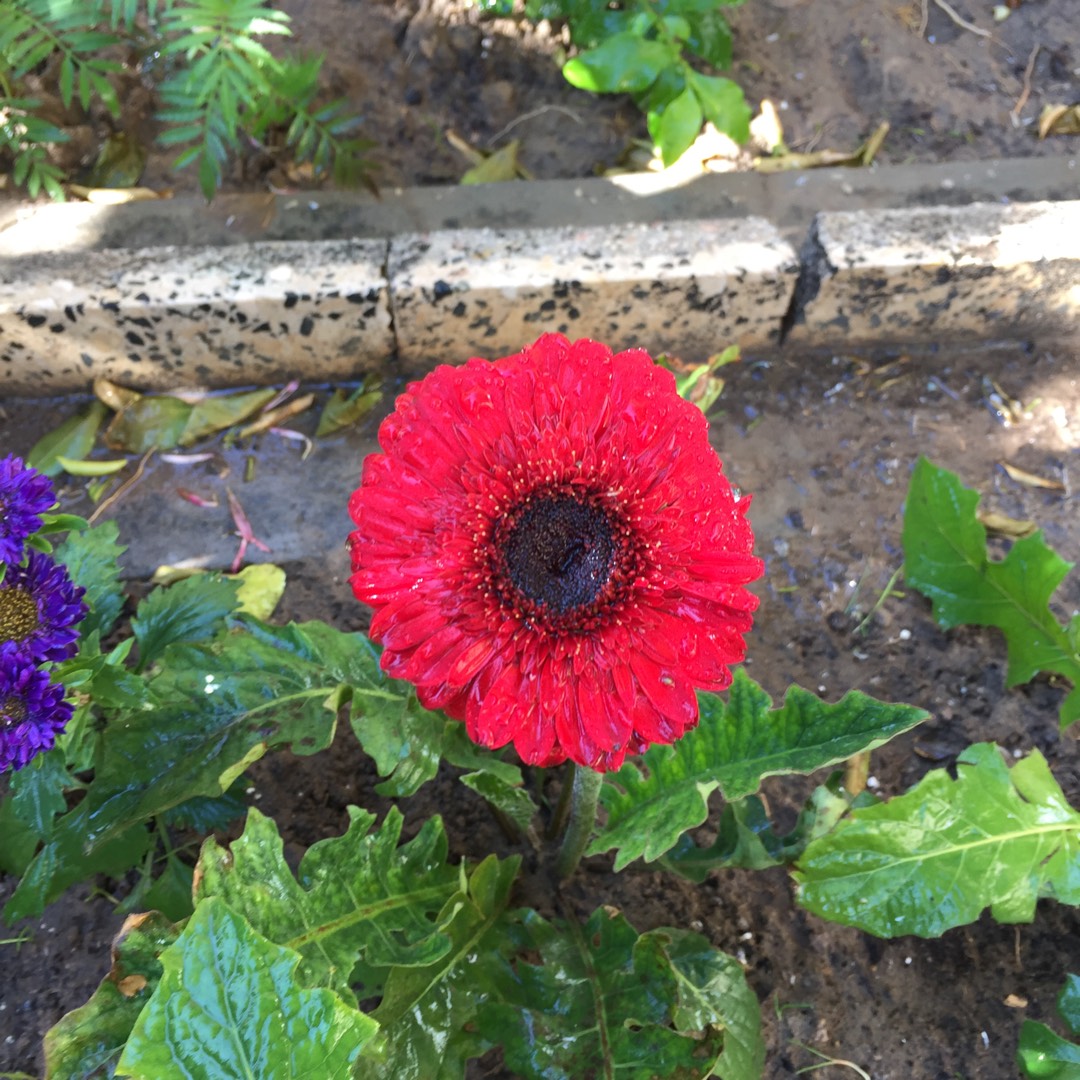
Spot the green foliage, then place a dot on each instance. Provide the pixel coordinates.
(935, 857)
(228, 1004)
(222, 85)
(357, 895)
(91, 1038)
(651, 802)
(602, 1000)
(1044, 1055)
(638, 46)
(945, 558)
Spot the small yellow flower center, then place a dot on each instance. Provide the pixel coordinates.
(18, 614)
(12, 711)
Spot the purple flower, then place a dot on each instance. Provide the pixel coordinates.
(40, 608)
(32, 709)
(25, 494)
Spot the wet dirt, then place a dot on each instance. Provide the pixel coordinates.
(417, 70)
(826, 444)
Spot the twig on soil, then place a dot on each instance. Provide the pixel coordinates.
(1025, 93)
(531, 115)
(827, 1061)
(960, 20)
(925, 18)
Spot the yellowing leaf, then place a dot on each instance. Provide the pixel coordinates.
(261, 586)
(1021, 476)
(84, 467)
(1059, 120)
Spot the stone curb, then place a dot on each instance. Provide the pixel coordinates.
(326, 310)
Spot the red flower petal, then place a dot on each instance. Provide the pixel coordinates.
(553, 552)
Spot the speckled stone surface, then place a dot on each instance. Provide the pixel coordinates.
(689, 288)
(982, 271)
(176, 317)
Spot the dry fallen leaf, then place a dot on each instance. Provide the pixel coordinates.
(1059, 120)
(130, 985)
(1021, 476)
(1002, 525)
(818, 159)
(116, 196)
(1015, 1001)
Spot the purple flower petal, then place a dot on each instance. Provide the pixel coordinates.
(40, 609)
(32, 710)
(25, 494)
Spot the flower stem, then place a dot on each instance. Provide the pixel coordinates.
(584, 795)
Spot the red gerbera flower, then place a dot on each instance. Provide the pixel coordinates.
(553, 553)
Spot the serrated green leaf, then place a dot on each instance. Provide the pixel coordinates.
(88, 1040)
(206, 815)
(91, 558)
(623, 63)
(935, 857)
(214, 708)
(600, 1000)
(190, 610)
(18, 840)
(362, 895)
(712, 992)
(74, 438)
(511, 800)
(228, 1005)
(945, 558)
(652, 801)
(425, 1011)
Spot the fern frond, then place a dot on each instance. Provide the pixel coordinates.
(32, 30)
(26, 138)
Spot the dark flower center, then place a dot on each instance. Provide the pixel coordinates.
(560, 552)
(12, 711)
(18, 614)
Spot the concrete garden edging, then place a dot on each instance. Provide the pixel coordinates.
(329, 288)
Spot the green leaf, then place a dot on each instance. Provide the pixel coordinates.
(652, 801)
(679, 125)
(362, 895)
(935, 857)
(190, 610)
(1069, 1003)
(169, 892)
(600, 1000)
(745, 836)
(38, 791)
(512, 800)
(74, 438)
(213, 709)
(403, 737)
(90, 1038)
(723, 103)
(945, 558)
(83, 467)
(424, 1010)
(623, 63)
(228, 1005)
(1045, 1055)
(18, 840)
(91, 558)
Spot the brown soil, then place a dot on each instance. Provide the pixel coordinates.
(419, 69)
(826, 445)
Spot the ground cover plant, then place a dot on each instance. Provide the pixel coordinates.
(253, 965)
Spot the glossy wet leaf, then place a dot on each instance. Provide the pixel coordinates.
(228, 1004)
(37, 791)
(945, 558)
(92, 558)
(213, 709)
(511, 800)
(88, 1040)
(74, 438)
(678, 126)
(937, 856)
(188, 611)
(364, 895)
(723, 103)
(428, 1013)
(600, 1000)
(746, 838)
(1045, 1055)
(652, 800)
